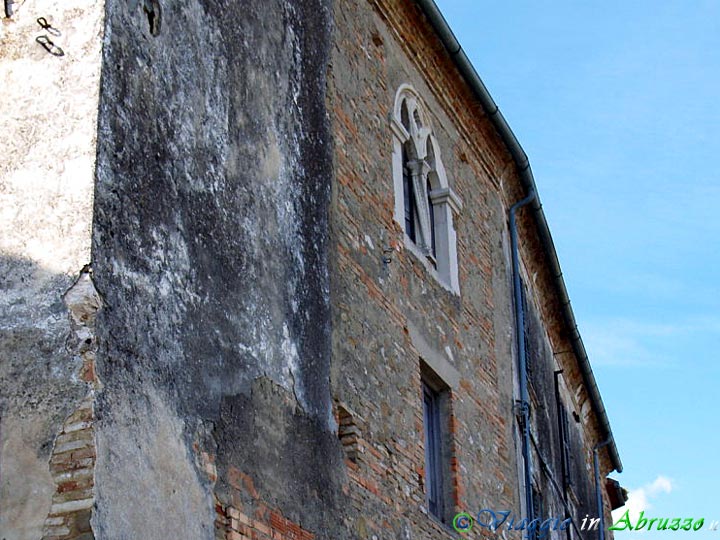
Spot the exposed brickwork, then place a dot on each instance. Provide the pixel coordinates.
(234, 522)
(350, 433)
(381, 289)
(72, 462)
(380, 376)
(72, 466)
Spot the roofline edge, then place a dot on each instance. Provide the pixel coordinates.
(467, 70)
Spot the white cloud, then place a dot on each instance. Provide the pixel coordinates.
(639, 500)
(612, 344)
(630, 342)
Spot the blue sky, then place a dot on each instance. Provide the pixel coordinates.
(616, 104)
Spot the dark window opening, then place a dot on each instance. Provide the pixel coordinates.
(564, 444)
(526, 331)
(433, 451)
(563, 424)
(432, 221)
(439, 448)
(408, 196)
(404, 117)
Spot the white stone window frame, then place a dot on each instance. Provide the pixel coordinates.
(426, 159)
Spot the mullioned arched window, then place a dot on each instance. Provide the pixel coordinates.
(425, 204)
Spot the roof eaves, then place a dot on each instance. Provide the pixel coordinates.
(467, 70)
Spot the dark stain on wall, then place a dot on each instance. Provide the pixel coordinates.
(210, 250)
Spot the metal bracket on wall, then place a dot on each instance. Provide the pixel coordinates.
(386, 254)
(520, 408)
(387, 249)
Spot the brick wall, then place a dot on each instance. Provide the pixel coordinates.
(379, 45)
(72, 462)
(376, 364)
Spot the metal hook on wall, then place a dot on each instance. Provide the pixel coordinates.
(50, 46)
(49, 28)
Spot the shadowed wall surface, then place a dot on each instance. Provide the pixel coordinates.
(209, 251)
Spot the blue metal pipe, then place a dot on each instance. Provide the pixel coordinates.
(522, 353)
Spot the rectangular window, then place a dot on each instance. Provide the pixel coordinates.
(526, 332)
(439, 448)
(433, 451)
(564, 443)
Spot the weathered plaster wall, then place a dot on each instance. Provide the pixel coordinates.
(209, 249)
(48, 113)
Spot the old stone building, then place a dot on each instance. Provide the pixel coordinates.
(276, 270)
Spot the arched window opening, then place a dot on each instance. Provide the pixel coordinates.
(425, 204)
(408, 198)
(404, 116)
(433, 250)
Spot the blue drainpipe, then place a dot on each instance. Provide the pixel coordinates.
(522, 354)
